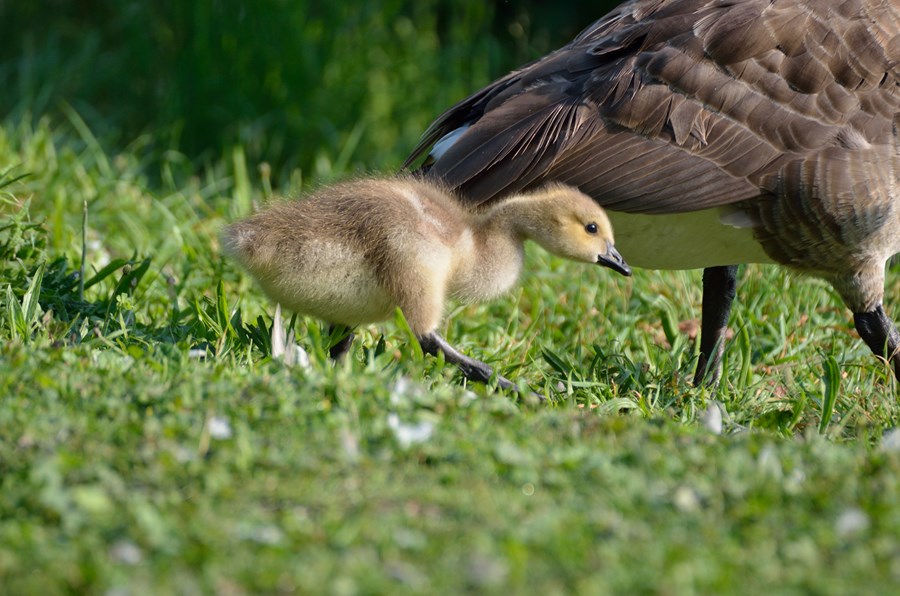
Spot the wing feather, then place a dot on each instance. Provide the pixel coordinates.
(668, 106)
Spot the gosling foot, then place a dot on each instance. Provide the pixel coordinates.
(879, 332)
(472, 369)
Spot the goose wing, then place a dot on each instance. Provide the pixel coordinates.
(668, 106)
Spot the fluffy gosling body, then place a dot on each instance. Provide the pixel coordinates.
(351, 253)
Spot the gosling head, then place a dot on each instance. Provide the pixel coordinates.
(575, 227)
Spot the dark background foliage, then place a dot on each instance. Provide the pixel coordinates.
(296, 82)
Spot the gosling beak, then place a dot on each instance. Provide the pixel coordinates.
(614, 260)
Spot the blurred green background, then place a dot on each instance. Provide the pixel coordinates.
(300, 84)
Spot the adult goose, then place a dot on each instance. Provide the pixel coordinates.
(726, 131)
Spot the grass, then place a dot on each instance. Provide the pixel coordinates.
(281, 79)
(149, 443)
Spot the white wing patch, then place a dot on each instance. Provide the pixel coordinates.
(447, 141)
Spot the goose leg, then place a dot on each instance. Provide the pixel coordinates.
(472, 369)
(880, 334)
(719, 287)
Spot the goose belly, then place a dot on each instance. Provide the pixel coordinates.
(684, 240)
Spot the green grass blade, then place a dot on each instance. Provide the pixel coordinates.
(243, 195)
(832, 380)
(224, 318)
(31, 301)
(744, 350)
(84, 225)
(106, 271)
(93, 145)
(412, 340)
(130, 280)
(557, 362)
(5, 180)
(15, 319)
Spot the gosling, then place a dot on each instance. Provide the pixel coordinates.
(352, 253)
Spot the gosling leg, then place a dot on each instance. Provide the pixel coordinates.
(719, 288)
(472, 369)
(340, 349)
(880, 334)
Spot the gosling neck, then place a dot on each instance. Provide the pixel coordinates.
(494, 261)
(520, 218)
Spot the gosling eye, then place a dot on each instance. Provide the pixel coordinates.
(591, 228)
